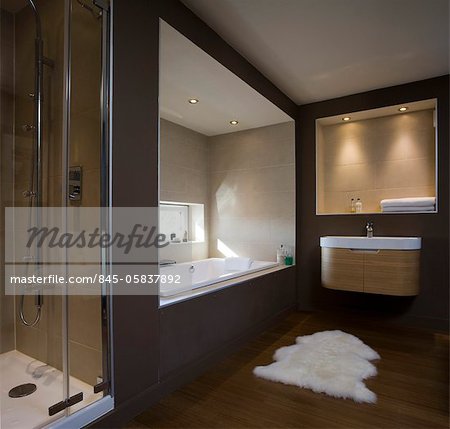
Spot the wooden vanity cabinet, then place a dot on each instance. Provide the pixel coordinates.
(392, 272)
(387, 272)
(342, 269)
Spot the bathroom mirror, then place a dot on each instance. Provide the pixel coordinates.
(378, 161)
(227, 161)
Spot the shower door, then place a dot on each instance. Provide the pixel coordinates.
(87, 189)
(54, 347)
(86, 186)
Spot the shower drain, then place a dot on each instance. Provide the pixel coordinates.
(22, 390)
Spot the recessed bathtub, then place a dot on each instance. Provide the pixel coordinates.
(187, 276)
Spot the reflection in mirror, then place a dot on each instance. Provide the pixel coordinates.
(380, 160)
(227, 165)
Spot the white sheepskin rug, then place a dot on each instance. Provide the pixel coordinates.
(330, 362)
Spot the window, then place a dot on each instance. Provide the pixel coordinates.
(180, 218)
(174, 221)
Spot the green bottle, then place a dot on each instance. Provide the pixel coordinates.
(288, 259)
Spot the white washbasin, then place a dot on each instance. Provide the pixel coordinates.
(374, 243)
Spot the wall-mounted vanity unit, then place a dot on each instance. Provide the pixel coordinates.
(379, 265)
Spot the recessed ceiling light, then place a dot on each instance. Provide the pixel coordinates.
(193, 100)
(403, 109)
(346, 118)
(234, 122)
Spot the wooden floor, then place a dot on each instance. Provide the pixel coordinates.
(412, 384)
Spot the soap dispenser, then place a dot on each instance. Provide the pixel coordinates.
(358, 206)
(352, 206)
(281, 254)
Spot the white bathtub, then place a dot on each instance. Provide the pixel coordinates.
(198, 274)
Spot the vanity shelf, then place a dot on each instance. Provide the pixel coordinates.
(378, 271)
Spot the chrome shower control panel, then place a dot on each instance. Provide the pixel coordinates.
(75, 174)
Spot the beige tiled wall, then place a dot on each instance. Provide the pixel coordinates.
(245, 179)
(85, 337)
(44, 341)
(388, 157)
(252, 191)
(32, 341)
(184, 179)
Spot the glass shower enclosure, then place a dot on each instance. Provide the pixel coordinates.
(55, 353)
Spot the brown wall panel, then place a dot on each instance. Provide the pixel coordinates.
(135, 183)
(194, 328)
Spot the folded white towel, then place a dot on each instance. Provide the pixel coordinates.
(409, 202)
(237, 264)
(407, 209)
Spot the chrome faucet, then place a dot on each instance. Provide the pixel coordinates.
(369, 229)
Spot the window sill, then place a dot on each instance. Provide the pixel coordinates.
(186, 242)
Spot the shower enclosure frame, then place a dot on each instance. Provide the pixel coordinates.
(97, 409)
(57, 30)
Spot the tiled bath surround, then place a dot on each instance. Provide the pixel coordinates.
(184, 178)
(246, 179)
(375, 159)
(252, 191)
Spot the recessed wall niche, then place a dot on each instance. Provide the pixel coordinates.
(229, 155)
(375, 155)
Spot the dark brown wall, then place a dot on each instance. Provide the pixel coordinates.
(135, 183)
(431, 307)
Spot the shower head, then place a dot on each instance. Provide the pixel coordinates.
(96, 15)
